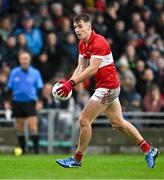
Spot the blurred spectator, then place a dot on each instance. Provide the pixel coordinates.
(123, 67)
(54, 51)
(4, 5)
(71, 52)
(99, 25)
(20, 6)
(130, 56)
(9, 53)
(47, 27)
(6, 26)
(159, 45)
(144, 84)
(140, 31)
(151, 32)
(119, 39)
(123, 11)
(160, 24)
(42, 15)
(136, 103)
(21, 42)
(44, 66)
(111, 15)
(64, 29)
(160, 74)
(128, 91)
(145, 49)
(57, 13)
(3, 88)
(152, 100)
(152, 61)
(77, 8)
(157, 9)
(146, 15)
(139, 70)
(132, 39)
(135, 18)
(136, 6)
(33, 35)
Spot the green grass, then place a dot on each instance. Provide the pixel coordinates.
(93, 167)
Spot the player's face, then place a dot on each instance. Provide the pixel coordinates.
(82, 29)
(24, 60)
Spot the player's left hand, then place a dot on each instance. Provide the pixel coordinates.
(65, 88)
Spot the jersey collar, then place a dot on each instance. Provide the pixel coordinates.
(25, 70)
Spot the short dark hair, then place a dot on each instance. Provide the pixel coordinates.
(22, 51)
(85, 17)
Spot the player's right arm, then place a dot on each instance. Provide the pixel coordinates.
(82, 64)
(67, 85)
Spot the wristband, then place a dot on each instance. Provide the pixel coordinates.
(72, 82)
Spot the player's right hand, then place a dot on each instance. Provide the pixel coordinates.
(65, 88)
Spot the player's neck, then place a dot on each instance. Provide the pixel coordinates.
(86, 40)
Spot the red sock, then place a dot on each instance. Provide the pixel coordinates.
(144, 146)
(78, 156)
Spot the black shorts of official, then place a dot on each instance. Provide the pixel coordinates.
(23, 109)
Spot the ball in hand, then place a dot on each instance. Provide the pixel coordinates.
(55, 94)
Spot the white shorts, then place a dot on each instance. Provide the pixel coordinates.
(105, 96)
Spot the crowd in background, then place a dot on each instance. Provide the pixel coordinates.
(133, 28)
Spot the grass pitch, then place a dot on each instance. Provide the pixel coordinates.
(93, 167)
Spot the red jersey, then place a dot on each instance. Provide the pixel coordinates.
(98, 47)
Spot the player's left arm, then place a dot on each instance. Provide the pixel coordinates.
(89, 71)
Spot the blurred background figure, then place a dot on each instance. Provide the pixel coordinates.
(43, 65)
(9, 51)
(6, 27)
(3, 89)
(24, 85)
(146, 81)
(33, 35)
(152, 101)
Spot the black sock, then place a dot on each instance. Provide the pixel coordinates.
(22, 142)
(35, 139)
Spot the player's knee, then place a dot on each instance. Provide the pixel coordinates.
(118, 124)
(84, 121)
